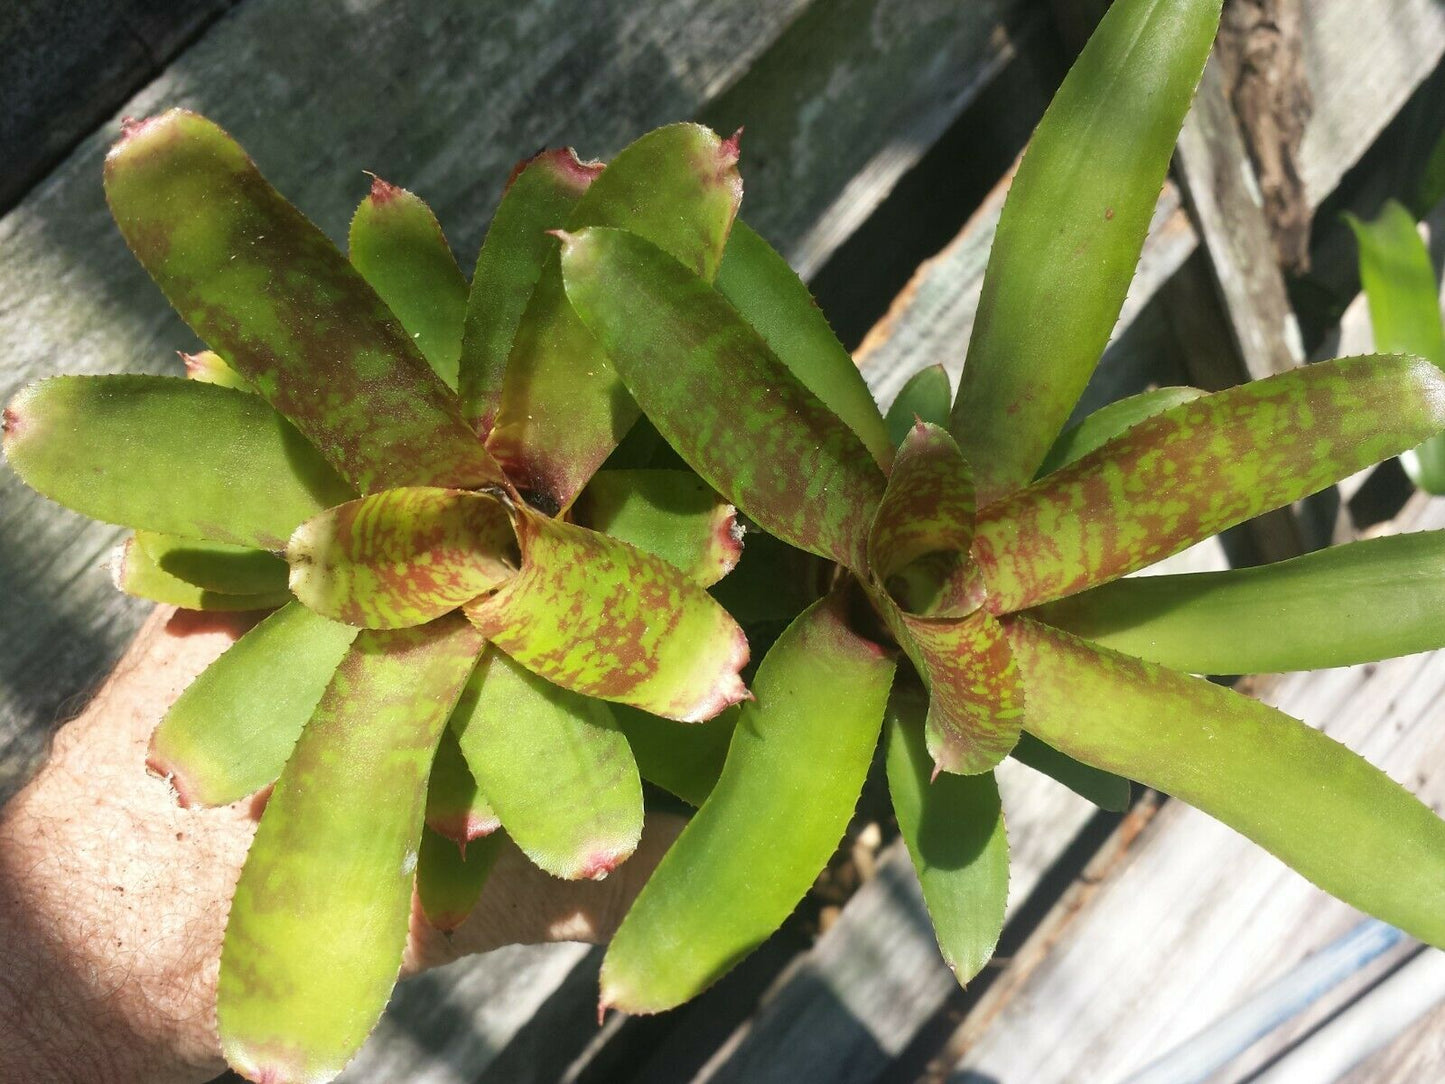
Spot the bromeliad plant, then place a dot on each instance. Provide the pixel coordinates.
(989, 554)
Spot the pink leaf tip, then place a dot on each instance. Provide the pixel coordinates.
(730, 148)
(382, 192)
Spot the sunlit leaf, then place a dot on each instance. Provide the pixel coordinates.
(135, 573)
(672, 514)
(794, 769)
(320, 915)
(1105, 789)
(1186, 474)
(1110, 421)
(769, 295)
(401, 557)
(539, 197)
(456, 808)
(448, 882)
(926, 397)
(554, 766)
(1359, 602)
(684, 759)
(1071, 232)
(760, 438)
(215, 566)
(163, 454)
(953, 827)
(398, 246)
(605, 619)
(229, 734)
(1329, 814)
(272, 295)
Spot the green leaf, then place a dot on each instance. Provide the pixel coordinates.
(320, 915)
(401, 557)
(794, 769)
(1194, 470)
(1106, 790)
(555, 768)
(1306, 799)
(926, 397)
(954, 831)
(456, 808)
(1111, 421)
(448, 882)
(769, 296)
(215, 566)
(135, 573)
(229, 734)
(602, 618)
(1404, 300)
(271, 294)
(684, 759)
(175, 456)
(759, 437)
(539, 197)
(1355, 603)
(398, 246)
(1071, 232)
(563, 407)
(208, 367)
(670, 513)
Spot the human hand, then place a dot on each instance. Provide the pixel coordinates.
(113, 899)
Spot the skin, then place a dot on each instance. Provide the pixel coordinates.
(113, 899)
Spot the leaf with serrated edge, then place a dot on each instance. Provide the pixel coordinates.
(229, 734)
(1110, 421)
(1105, 789)
(320, 915)
(215, 566)
(271, 294)
(1330, 815)
(670, 513)
(563, 407)
(1367, 600)
(760, 438)
(455, 806)
(539, 197)
(953, 828)
(768, 294)
(397, 244)
(1071, 232)
(164, 454)
(684, 759)
(1186, 474)
(925, 397)
(449, 883)
(793, 773)
(554, 766)
(401, 557)
(1404, 298)
(135, 573)
(605, 619)
(208, 367)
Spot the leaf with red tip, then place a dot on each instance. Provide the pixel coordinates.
(272, 295)
(768, 294)
(215, 566)
(759, 437)
(555, 768)
(563, 407)
(1110, 421)
(926, 397)
(321, 912)
(793, 773)
(136, 573)
(1194, 470)
(1372, 599)
(398, 246)
(163, 454)
(401, 557)
(448, 882)
(927, 513)
(602, 618)
(684, 759)
(953, 827)
(455, 806)
(229, 734)
(208, 367)
(670, 513)
(1330, 815)
(1071, 232)
(539, 197)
